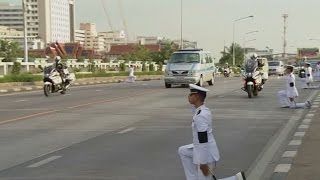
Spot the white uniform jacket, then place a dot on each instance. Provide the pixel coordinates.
(292, 91)
(131, 70)
(309, 74)
(205, 149)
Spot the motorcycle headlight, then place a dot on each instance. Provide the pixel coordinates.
(249, 74)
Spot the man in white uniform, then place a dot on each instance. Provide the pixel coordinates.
(199, 158)
(131, 77)
(309, 77)
(287, 97)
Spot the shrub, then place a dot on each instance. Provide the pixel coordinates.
(16, 68)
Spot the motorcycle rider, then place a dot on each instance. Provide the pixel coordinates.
(262, 68)
(60, 68)
(226, 70)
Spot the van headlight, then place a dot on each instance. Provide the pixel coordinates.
(167, 72)
(193, 72)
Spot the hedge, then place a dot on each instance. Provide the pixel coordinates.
(33, 78)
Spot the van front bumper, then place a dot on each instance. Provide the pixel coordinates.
(181, 79)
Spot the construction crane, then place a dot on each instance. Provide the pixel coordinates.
(123, 19)
(108, 19)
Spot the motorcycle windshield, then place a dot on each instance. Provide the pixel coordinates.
(48, 69)
(250, 65)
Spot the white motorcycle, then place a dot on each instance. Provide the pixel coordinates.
(53, 81)
(252, 78)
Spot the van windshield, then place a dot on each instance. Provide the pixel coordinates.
(184, 58)
(274, 63)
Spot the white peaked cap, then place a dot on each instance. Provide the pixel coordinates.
(198, 88)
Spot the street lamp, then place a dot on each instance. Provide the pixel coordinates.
(244, 41)
(181, 39)
(26, 8)
(234, 24)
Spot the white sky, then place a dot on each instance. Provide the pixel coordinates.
(210, 22)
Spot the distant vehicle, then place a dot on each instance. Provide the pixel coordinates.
(190, 66)
(276, 68)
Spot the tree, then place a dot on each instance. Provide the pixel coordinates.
(9, 50)
(16, 68)
(167, 48)
(227, 55)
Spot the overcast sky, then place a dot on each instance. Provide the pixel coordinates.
(210, 22)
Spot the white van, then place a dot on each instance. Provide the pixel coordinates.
(190, 66)
(276, 68)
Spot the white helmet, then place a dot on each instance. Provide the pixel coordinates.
(254, 56)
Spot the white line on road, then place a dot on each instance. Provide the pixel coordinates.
(295, 143)
(45, 161)
(22, 100)
(282, 168)
(299, 134)
(289, 154)
(126, 130)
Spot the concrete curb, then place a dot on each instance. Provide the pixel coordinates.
(284, 164)
(79, 83)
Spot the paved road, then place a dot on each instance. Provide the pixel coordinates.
(131, 131)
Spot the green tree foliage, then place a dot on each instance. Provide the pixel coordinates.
(9, 50)
(227, 55)
(160, 66)
(122, 67)
(151, 67)
(144, 67)
(16, 68)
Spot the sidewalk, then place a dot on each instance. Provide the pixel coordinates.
(301, 160)
(306, 165)
(26, 86)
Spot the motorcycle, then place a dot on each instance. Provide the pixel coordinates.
(52, 81)
(226, 73)
(252, 78)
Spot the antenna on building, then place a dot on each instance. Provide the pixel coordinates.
(123, 19)
(285, 16)
(108, 19)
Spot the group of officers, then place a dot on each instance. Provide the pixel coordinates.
(199, 158)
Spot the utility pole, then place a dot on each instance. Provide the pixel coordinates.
(285, 16)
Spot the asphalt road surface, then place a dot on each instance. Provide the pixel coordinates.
(132, 131)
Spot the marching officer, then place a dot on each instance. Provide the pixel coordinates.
(309, 77)
(199, 158)
(287, 97)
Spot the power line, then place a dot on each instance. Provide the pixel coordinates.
(123, 19)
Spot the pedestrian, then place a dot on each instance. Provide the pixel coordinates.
(317, 74)
(287, 97)
(131, 77)
(309, 77)
(200, 157)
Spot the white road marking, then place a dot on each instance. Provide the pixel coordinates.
(295, 143)
(98, 90)
(314, 106)
(45, 161)
(303, 126)
(289, 154)
(126, 130)
(22, 100)
(316, 103)
(306, 121)
(282, 168)
(299, 134)
(310, 115)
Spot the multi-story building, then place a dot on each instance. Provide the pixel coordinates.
(11, 16)
(92, 40)
(80, 36)
(14, 35)
(56, 19)
(51, 20)
(144, 40)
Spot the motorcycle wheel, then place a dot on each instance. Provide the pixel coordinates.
(250, 91)
(255, 91)
(47, 90)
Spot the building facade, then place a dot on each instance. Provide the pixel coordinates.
(11, 16)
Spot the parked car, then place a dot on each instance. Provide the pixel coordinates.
(276, 68)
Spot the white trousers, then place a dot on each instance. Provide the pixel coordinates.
(131, 79)
(286, 103)
(191, 170)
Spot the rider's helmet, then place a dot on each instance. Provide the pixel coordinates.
(254, 56)
(58, 62)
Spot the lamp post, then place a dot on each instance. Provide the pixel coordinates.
(25, 10)
(244, 41)
(234, 24)
(181, 38)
